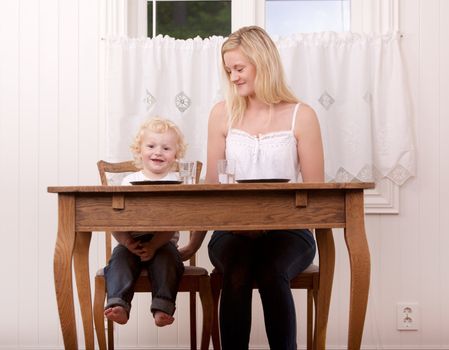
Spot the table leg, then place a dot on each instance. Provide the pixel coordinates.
(206, 303)
(81, 267)
(326, 251)
(359, 258)
(62, 269)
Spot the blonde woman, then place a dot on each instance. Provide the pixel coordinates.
(270, 134)
(158, 144)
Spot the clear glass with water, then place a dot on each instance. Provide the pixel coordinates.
(226, 171)
(187, 172)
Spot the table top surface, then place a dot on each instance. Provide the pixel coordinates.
(215, 187)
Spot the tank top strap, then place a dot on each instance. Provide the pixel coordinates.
(229, 123)
(295, 111)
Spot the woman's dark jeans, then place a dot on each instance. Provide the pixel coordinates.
(165, 270)
(271, 260)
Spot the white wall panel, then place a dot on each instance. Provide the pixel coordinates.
(28, 172)
(409, 222)
(88, 91)
(443, 267)
(68, 92)
(9, 178)
(428, 163)
(52, 133)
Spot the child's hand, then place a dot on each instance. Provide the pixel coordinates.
(147, 251)
(133, 246)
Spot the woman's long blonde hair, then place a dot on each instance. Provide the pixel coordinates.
(270, 86)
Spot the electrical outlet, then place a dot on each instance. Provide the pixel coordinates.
(407, 316)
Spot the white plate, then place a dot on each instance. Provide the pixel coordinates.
(248, 181)
(157, 182)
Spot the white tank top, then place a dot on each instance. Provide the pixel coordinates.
(269, 156)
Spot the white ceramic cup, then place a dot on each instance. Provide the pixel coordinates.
(226, 171)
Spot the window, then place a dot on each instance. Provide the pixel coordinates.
(284, 17)
(215, 17)
(188, 19)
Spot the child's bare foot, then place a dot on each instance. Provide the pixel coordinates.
(117, 314)
(162, 319)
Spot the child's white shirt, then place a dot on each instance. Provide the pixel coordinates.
(140, 176)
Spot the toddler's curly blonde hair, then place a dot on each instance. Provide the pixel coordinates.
(158, 125)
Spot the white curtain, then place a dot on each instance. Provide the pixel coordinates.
(356, 84)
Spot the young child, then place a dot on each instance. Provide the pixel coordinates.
(158, 144)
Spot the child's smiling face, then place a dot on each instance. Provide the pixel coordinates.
(158, 152)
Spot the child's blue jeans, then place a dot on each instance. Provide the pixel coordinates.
(165, 270)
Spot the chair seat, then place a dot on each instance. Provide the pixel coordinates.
(190, 280)
(308, 279)
(312, 268)
(189, 271)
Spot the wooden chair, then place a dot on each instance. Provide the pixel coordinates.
(195, 279)
(316, 279)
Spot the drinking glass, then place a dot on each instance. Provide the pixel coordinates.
(226, 171)
(187, 172)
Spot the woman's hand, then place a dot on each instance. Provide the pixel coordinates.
(194, 244)
(186, 252)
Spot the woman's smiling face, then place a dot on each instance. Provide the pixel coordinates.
(241, 72)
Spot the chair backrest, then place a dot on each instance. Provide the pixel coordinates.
(127, 167)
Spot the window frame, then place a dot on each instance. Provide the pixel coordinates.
(129, 17)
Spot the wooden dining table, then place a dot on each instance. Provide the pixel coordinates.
(250, 206)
